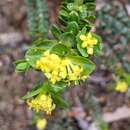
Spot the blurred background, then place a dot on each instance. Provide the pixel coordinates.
(113, 24)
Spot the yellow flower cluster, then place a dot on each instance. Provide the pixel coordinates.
(121, 86)
(57, 69)
(88, 42)
(41, 124)
(42, 102)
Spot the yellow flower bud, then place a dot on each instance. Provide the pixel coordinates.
(41, 124)
(90, 51)
(121, 86)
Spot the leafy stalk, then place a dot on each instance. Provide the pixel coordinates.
(31, 17)
(37, 18)
(42, 19)
(65, 60)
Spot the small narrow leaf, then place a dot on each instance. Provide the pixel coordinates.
(59, 87)
(21, 65)
(33, 54)
(32, 94)
(59, 101)
(72, 27)
(56, 31)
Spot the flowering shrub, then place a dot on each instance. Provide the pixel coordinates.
(65, 60)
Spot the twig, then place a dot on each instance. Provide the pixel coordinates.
(120, 114)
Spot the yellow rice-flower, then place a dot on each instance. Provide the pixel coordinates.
(121, 86)
(56, 68)
(41, 124)
(89, 41)
(43, 102)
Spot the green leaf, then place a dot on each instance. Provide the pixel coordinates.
(98, 46)
(73, 27)
(44, 44)
(63, 13)
(59, 101)
(82, 50)
(59, 87)
(97, 49)
(68, 39)
(40, 88)
(70, 6)
(91, 6)
(22, 65)
(127, 78)
(63, 20)
(56, 31)
(34, 54)
(60, 50)
(79, 2)
(74, 16)
(91, 17)
(83, 12)
(33, 92)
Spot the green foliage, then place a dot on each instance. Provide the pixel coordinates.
(77, 11)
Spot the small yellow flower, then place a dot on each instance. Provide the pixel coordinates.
(88, 42)
(42, 102)
(41, 124)
(121, 86)
(75, 72)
